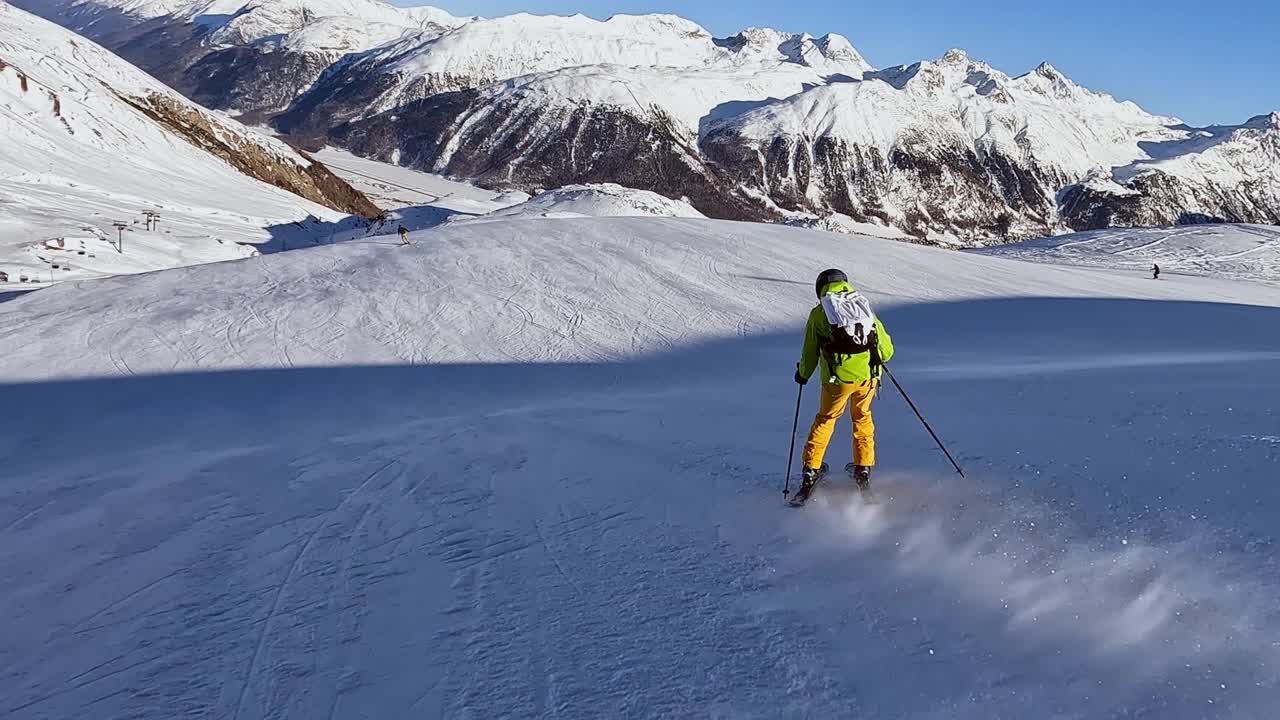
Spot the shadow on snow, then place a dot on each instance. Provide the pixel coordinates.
(1107, 482)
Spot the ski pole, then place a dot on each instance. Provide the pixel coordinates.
(795, 425)
(922, 420)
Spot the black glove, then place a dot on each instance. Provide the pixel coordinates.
(800, 379)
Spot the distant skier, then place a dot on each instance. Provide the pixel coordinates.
(1155, 271)
(847, 343)
(404, 235)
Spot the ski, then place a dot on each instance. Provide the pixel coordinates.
(869, 496)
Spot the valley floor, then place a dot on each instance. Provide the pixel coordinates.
(533, 469)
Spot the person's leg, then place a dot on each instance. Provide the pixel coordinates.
(864, 428)
(831, 406)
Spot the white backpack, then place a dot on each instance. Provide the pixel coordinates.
(853, 323)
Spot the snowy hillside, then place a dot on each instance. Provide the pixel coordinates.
(558, 65)
(1241, 252)
(532, 468)
(246, 56)
(86, 141)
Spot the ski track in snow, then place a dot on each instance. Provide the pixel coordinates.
(532, 469)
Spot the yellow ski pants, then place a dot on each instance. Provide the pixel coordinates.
(831, 406)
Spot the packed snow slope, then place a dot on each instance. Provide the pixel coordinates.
(1243, 252)
(532, 468)
(87, 140)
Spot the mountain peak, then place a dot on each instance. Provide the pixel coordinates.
(1049, 72)
(799, 48)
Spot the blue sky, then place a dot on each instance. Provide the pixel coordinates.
(1176, 57)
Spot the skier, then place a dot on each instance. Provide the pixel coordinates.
(404, 235)
(1155, 271)
(850, 368)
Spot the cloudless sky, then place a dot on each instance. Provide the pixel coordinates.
(1206, 62)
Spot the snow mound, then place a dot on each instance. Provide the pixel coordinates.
(599, 200)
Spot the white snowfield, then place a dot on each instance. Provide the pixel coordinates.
(76, 157)
(1241, 252)
(396, 188)
(532, 469)
(595, 200)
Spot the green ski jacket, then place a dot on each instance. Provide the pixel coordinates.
(848, 369)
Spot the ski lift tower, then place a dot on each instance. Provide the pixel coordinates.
(153, 219)
(120, 228)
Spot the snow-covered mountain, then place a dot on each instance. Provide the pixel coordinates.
(565, 64)
(764, 125)
(951, 150)
(87, 140)
(245, 56)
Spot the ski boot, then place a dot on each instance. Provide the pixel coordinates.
(809, 480)
(861, 475)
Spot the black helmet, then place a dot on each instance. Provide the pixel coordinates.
(826, 277)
